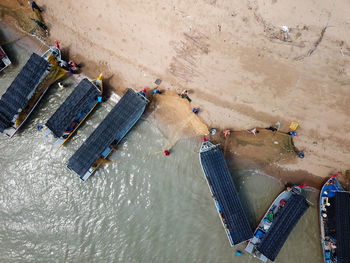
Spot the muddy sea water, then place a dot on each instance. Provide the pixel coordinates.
(143, 207)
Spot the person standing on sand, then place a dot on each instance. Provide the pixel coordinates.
(156, 91)
(34, 6)
(184, 95)
(254, 131)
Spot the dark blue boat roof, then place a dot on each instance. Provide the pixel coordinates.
(282, 226)
(81, 96)
(342, 207)
(16, 96)
(111, 130)
(224, 191)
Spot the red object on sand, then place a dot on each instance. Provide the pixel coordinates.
(166, 153)
(302, 185)
(204, 139)
(145, 89)
(57, 44)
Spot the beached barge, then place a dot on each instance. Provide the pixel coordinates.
(74, 110)
(87, 159)
(335, 222)
(277, 223)
(28, 88)
(4, 60)
(224, 193)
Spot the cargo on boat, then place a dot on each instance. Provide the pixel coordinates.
(277, 223)
(99, 145)
(28, 88)
(335, 222)
(224, 193)
(4, 60)
(74, 110)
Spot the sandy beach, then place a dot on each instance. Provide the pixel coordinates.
(241, 69)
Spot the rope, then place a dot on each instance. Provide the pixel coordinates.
(137, 158)
(179, 133)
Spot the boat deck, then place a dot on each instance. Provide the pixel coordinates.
(225, 194)
(110, 131)
(84, 94)
(21, 89)
(342, 207)
(282, 226)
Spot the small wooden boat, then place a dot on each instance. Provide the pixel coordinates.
(28, 88)
(4, 60)
(271, 217)
(74, 110)
(334, 212)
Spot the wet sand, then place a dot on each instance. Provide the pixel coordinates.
(240, 70)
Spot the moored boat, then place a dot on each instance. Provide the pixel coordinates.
(224, 194)
(100, 144)
(334, 216)
(4, 60)
(74, 110)
(28, 88)
(277, 223)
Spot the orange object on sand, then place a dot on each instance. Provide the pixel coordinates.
(227, 132)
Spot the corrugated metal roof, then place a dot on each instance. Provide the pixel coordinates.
(224, 191)
(111, 130)
(16, 96)
(342, 207)
(79, 99)
(282, 226)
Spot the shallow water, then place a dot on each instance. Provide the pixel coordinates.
(142, 208)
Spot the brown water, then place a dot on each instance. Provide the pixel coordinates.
(142, 208)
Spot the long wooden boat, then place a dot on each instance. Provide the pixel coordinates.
(334, 213)
(28, 88)
(100, 144)
(269, 218)
(4, 60)
(224, 193)
(73, 112)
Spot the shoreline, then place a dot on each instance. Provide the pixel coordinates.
(288, 169)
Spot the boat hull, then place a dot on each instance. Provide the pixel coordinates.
(52, 73)
(266, 222)
(328, 239)
(80, 118)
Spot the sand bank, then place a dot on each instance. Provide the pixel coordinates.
(242, 70)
